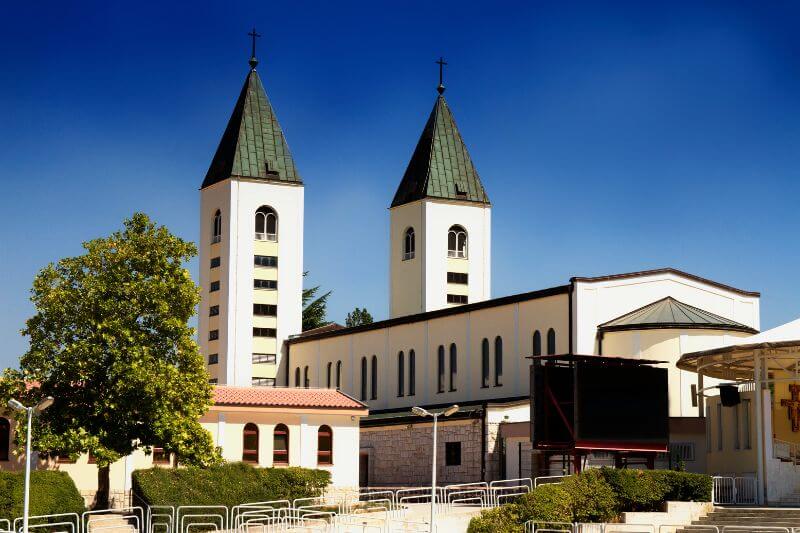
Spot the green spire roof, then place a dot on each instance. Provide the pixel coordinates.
(440, 166)
(253, 145)
(670, 313)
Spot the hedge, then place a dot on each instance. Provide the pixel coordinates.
(597, 495)
(52, 492)
(228, 484)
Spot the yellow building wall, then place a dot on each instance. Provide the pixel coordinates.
(723, 456)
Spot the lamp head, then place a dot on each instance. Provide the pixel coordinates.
(450, 410)
(419, 411)
(44, 404)
(14, 404)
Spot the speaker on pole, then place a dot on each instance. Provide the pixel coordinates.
(729, 395)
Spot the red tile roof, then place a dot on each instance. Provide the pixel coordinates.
(284, 397)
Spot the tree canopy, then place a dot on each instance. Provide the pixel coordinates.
(315, 308)
(110, 342)
(358, 317)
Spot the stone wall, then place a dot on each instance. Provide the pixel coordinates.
(401, 455)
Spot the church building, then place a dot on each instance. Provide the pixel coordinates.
(446, 341)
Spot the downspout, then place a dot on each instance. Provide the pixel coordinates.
(483, 443)
(570, 293)
(288, 348)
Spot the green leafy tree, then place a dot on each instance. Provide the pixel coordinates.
(358, 317)
(315, 308)
(110, 342)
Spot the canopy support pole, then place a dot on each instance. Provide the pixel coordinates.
(757, 369)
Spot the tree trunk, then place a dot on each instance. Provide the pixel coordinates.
(103, 487)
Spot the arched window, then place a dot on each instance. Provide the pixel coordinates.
(216, 229)
(440, 369)
(266, 224)
(498, 361)
(551, 341)
(408, 244)
(338, 375)
(401, 370)
(5, 438)
(306, 379)
(537, 343)
(457, 242)
(485, 363)
(374, 395)
(297, 377)
(412, 372)
(330, 375)
(324, 446)
(280, 445)
(363, 378)
(453, 367)
(250, 443)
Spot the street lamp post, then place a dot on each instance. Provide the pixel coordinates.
(419, 411)
(29, 411)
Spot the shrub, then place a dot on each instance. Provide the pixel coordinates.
(683, 486)
(546, 503)
(51, 493)
(636, 490)
(503, 519)
(229, 484)
(593, 500)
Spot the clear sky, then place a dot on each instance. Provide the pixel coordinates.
(611, 137)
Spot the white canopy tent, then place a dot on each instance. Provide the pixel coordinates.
(755, 360)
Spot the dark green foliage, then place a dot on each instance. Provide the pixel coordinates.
(550, 503)
(51, 493)
(315, 308)
(596, 496)
(593, 500)
(502, 519)
(229, 484)
(358, 317)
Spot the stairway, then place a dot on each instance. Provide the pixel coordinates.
(751, 516)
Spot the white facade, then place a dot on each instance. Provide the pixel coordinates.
(420, 283)
(238, 199)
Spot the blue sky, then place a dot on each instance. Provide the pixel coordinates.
(610, 137)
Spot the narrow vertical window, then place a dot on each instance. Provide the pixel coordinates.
(453, 367)
(736, 441)
(498, 361)
(280, 445)
(551, 341)
(329, 375)
(338, 375)
(708, 428)
(306, 378)
(412, 372)
(250, 443)
(440, 369)
(297, 377)
(266, 224)
(374, 376)
(5, 438)
(485, 363)
(216, 229)
(537, 343)
(363, 378)
(719, 426)
(325, 445)
(408, 244)
(746, 424)
(401, 374)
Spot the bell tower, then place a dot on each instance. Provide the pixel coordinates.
(251, 245)
(440, 242)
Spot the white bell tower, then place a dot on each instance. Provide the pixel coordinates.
(440, 240)
(251, 246)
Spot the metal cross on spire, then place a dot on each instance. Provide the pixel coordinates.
(253, 60)
(441, 64)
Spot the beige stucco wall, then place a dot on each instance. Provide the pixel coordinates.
(730, 460)
(405, 276)
(514, 323)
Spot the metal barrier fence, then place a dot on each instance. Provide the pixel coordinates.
(731, 490)
(566, 527)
